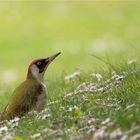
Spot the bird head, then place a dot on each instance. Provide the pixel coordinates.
(37, 68)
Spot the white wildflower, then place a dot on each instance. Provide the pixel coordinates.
(72, 76)
(72, 108)
(136, 137)
(91, 120)
(81, 91)
(91, 128)
(35, 135)
(44, 116)
(118, 108)
(132, 61)
(8, 136)
(14, 122)
(125, 137)
(130, 106)
(94, 87)
(97, 76)
(44, 110)
(33, 112)
(81, 86)
(117, 77)
(101, 89)
(47, 130)
(69, 95)
(106, 121)
(116, 133)
(3, 129)
(53, 102)
(100, 134)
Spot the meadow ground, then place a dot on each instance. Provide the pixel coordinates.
(93, 87)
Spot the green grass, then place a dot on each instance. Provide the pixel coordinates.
(81, 30)
(69, 118)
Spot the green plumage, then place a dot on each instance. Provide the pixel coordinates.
(30, 94)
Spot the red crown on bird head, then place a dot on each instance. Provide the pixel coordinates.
(33, 62)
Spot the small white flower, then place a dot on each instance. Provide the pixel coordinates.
(91, 128)
(101, 89)
(3, 129)
(132, 61)
(53, 102)
(117, 77)
(97, 76)
(130, 106)
(8, 136)
(71, 108)
(35, 135)
(14, 122)
(72, 76)
(106, 121)
(116, 134)
(91, 120)
(43, 117)
(136, 137)
(125, 137)
(69, 95)
(100, 134)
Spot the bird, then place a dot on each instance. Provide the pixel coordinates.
(30, 94)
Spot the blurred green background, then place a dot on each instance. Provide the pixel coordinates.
(32, 29)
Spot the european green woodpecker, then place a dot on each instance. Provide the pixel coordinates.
(31, 94)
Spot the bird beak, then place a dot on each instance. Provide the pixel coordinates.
(51, 58)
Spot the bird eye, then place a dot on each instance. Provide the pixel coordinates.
(38, 63)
